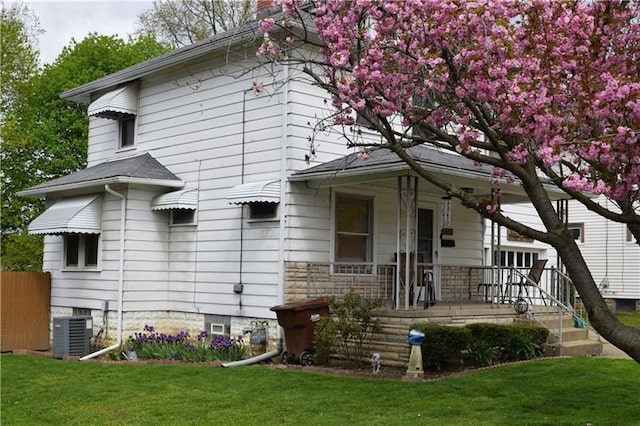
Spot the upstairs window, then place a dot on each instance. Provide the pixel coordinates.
(127, 125)
(120, 104)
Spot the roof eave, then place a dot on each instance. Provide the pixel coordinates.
(211, 45)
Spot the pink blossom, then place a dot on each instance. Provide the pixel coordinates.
(557, 81)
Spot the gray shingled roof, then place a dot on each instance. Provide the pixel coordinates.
(247, 33)
(382, 159)
(140, 169)
(384, 162)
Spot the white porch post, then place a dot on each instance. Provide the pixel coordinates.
(406, 239)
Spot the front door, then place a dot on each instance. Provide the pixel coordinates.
(425, 255)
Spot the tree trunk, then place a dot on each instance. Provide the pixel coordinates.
(623, 337)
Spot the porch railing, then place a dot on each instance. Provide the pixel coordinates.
(435, 283)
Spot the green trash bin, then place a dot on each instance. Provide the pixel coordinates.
(298, 319)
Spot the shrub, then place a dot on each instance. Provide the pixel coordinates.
(482, 353)
(496, 334)
(525, 342)
(153, 345)
(442, 343)
(354, 322)
(324, 340)
(485, 342)
(521, 346)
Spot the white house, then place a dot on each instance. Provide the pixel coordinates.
(201, 207)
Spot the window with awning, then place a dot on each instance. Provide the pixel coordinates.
(182, 204)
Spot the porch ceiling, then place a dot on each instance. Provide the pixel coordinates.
(383, 165)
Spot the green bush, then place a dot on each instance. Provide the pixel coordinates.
(496, 334)
(442, 343)
(521, 346)
(485, 343)
(354, 322)
(324, 340)
(482, 353)
(525, 342)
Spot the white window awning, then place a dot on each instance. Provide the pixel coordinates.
(255, 192)
(79, 215)
(120, 101)
(183, 199)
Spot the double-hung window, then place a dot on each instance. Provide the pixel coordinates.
(353, 229)
(81, 250)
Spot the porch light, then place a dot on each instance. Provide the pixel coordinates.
(445, 210)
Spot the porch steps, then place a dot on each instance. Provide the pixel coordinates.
(575, 341)
(391, 343)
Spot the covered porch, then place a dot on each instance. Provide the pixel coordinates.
(421, 249)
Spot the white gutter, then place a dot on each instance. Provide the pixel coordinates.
(123, 212)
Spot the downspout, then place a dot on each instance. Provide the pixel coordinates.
(123, 210)
(281, 227)
(284, 145)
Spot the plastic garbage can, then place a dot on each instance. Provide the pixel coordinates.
(298, 319)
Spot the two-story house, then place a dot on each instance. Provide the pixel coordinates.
(201, 205)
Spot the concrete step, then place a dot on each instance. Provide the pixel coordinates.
(551, 322)
(570, 334)
(576, 348)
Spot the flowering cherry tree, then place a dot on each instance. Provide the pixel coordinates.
(540, 90)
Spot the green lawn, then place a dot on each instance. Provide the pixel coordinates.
(547, 392)
(630, 319)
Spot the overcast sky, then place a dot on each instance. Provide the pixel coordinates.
(64, 20)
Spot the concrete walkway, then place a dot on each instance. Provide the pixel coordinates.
(610, 351)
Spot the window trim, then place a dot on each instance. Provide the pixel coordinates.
(82, 253)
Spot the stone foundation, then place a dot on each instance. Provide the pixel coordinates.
(168, 322)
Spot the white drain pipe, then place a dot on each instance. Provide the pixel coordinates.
(123, 217)
(258, 358)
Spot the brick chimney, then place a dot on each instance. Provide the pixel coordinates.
(266, 8)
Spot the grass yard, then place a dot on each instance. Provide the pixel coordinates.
(572, 391)
(632, 319)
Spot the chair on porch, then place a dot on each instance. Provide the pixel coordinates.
(524, 283)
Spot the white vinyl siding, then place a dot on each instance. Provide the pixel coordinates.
(608, 253)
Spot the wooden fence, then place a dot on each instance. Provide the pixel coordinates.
(25, 300)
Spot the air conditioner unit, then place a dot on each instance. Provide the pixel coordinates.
(71, 336)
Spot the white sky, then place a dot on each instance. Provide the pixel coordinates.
(64, 20)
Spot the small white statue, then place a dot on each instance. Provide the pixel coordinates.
(375, 362)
